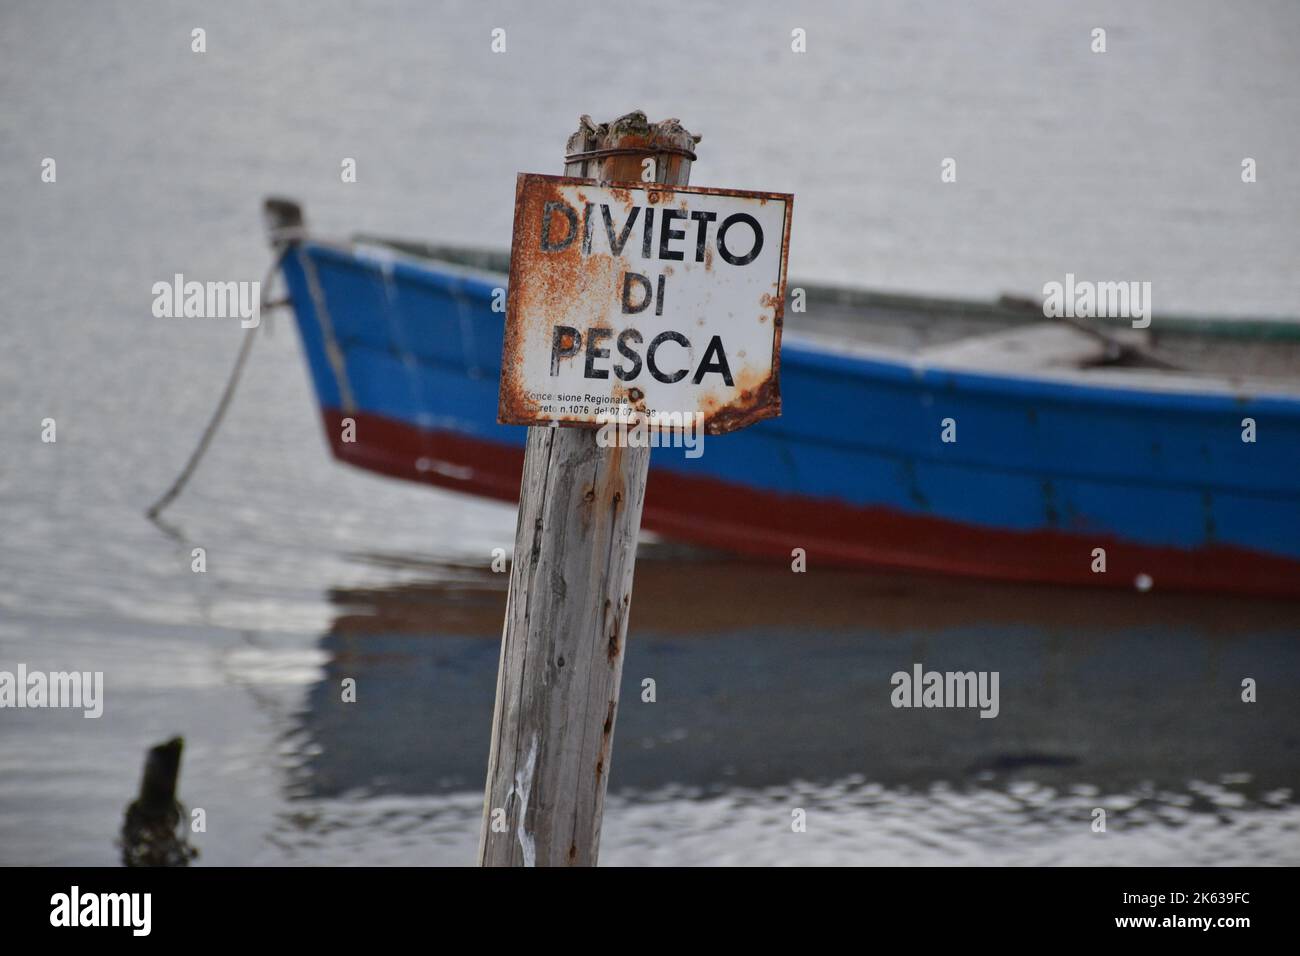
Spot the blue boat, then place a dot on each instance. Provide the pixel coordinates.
(969, 438)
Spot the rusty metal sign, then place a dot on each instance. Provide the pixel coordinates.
(652, 299)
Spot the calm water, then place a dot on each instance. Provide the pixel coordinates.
(1122, 165)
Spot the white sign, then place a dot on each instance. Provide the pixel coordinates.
(648, 298)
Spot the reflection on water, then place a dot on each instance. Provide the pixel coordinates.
(850, 822)
(1112, 701)
(1126, 702)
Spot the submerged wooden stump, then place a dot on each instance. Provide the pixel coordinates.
(154, 831)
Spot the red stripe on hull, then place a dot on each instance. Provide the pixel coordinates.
(715, 514)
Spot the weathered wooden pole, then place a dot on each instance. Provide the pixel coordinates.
(570, 588)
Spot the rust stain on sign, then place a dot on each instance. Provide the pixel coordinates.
(644, 299)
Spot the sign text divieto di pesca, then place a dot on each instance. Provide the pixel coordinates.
(657, 299)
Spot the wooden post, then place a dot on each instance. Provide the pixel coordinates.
(154, 831)
(570, 589)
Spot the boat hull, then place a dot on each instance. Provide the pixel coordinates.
(744, 520)
(1044, 476)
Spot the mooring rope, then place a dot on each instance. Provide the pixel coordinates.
(172, 493)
